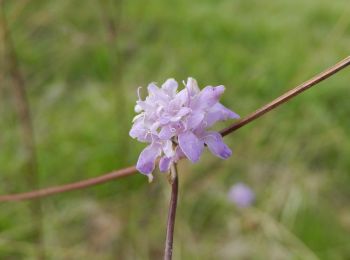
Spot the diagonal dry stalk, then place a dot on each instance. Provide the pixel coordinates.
(26, 131)
(71, 186)
(288, 95)
(131, 170)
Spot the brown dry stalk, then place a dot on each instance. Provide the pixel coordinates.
(131, 170)
(71, 186)
(287, 96)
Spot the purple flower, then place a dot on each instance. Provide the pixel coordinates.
(175, 124)
(241, 195)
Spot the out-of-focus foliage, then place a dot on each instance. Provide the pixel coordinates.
(83, 61)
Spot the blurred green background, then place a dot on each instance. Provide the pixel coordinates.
(82, 62)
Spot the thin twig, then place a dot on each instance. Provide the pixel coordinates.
(131, 170)
(69, 187)
(287, 96)
(168, 251)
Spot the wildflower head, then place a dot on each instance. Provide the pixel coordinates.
(175, 124)
(241, 195)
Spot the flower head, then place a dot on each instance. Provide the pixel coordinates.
(241, 195)
(175, 124)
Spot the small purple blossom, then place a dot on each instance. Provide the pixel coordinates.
(241, 195)
(175, 124)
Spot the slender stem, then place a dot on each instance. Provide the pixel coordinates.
(131, 170)
(288, 95)
(174, 181)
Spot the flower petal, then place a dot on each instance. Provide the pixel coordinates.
(139, 132)
(208, 97)
(154, 127)
(156, 93)
(191, 145)
(170, 87)
(219, 112)
(192, 87)
(164, 164)
(152, 89)
(143, 105)
(166, 132)
(183, 111)
(181, 98)
(216, 145)
(194, 120)
(168, 148)
(147, 159)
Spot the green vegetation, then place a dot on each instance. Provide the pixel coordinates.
(83, 61)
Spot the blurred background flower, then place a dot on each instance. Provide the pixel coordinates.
(241, 195)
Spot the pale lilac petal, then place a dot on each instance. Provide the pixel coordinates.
(164, 119)
(138, 108)
(139, 132)
(192, 87)
(139, 118)
(167, 132)
(170, 87)
(182, 97)
(156, 93)
(164, 164)
(178, 127)
(143, 105)
(175, 119)
(154, 126)
(175, 104)
(147, 159)
(191, 145)
(183, 111)
(218, 112)
(168, 148)
(194, 120)
(208, 97)
(152, 89)
(216, 145)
